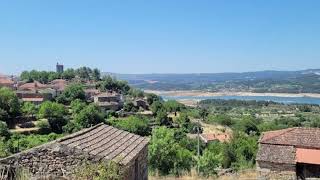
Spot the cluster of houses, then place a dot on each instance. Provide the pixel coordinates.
(36, 92)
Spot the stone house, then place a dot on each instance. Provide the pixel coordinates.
(58, 85)
(292, 153)
(35, 97)
(109, 101)
(141, 103)
(101, 143)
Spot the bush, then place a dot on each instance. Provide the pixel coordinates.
(44, 127)
(100, 171)
(4, 131)
(55, 113)
(211, 159)
(89, 116)
(166, 155)
(133, 124)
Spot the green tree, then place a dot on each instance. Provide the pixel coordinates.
(89, 116)
(162, 118)
(133, 124)
(96, 74)
(248, 125)
(9, 104)
(211, 159)
(84, 73)
(173, 106)
(156, 106)
(55, 113)
(152, 98)
(68, 74)
(29, 109)
(166, 155)
(4, 131)
(76, 106)
(72, 92)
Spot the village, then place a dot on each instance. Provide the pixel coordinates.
(71, 123)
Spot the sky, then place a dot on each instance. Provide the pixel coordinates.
(160, 36)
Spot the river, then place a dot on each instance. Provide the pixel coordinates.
(285, 100)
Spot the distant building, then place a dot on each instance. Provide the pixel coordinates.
(207, 138)
(59, 68)
(101, 143)
(109, 101)
(141, 103)
(292, 153)
(6, 82)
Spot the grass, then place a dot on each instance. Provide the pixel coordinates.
(242, 175)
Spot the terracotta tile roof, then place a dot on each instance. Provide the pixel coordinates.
(308, 156)
(298, 137)
(58, 84)
(32, 86)
(5, 81)
(107, 143)
(212, 137)
(276, 154)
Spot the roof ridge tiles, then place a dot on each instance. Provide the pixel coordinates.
(79, 133)
(284, 131)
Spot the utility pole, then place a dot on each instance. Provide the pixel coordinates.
(198, 132)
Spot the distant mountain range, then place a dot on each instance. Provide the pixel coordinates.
(260, 81)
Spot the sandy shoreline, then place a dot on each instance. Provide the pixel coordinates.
(204, 94)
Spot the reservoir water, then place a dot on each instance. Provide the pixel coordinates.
(285, 100)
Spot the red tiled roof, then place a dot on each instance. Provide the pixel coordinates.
(212, 137)
(32, 86)
(299, 137)
(308, 156)
(6, 80)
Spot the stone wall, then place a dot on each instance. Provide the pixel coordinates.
(276, 171)
(56, 160)
(139, 165)
(52, 160)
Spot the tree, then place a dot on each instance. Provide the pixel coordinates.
(211, 159)
(84, 73)
(89, 116)
(9, 104)
(162, 118)
(133, 124)
(153, 98)
(156, 106)
(72, 92)
(4, 131)
(29, 109)
(173, 106)
(55, 113)
(76, 106)
(68, 74)
(112, 84)
(96, 74)
(248, 125)
(166, 155)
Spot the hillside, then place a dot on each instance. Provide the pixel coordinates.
(304, 81)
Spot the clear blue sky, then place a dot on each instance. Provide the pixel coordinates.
(164, 36)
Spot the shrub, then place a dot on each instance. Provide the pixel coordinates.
(133, 124)
(44, 127)
(100, 171)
